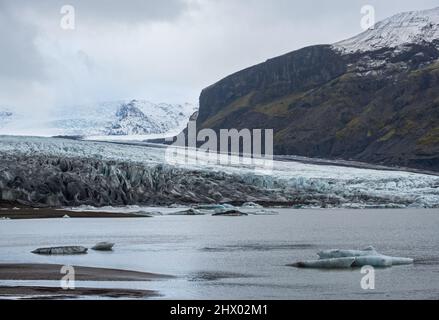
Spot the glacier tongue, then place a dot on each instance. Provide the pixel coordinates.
(413, 27)
(66, 172)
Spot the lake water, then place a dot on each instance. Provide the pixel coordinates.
(244, 257)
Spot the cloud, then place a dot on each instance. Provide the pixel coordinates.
(158, 50)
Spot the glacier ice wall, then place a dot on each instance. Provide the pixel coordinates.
(59, 172)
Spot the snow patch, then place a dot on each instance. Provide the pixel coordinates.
(415, 27)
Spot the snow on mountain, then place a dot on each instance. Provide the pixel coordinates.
(413, 27)
(126, 118)
(5, 116)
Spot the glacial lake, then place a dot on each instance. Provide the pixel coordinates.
(243, 257)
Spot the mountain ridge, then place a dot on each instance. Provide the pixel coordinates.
(141, 117)
(379, 106)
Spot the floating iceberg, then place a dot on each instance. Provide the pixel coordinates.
(398, 261)
(230, 213)
(103, 246)
(61, 250)
(337, 253)
(337, 258)
(251, 205)
(336, 263)
(189, 212)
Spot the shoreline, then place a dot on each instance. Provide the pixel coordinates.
(56, 293)
(52, 272)
(41, 271)
(17, 211)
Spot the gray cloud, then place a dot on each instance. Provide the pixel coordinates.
(158, 50)
(19, 57)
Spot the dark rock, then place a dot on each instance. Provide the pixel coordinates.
(379, 107)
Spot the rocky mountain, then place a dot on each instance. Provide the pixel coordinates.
(371, 98)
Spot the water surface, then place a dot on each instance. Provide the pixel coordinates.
(244, 257)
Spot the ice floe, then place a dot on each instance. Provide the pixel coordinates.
(339, 258)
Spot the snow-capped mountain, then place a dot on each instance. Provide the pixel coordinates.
(372, 98)
(117, 119)
(132, 121)
(5, 116)
(415, 27)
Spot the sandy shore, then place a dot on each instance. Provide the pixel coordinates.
(58, 293)
(52, 272)
(13, 211)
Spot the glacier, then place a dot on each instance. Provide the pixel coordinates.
(63, 172)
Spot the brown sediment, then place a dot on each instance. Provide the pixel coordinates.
(53, 272)
(28, 292)
(13, 211)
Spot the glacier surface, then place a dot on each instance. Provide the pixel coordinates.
(60, 172)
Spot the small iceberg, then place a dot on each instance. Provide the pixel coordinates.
(210, 207)
(142, 214)
(189, 212)
(399, 261)
(251, 205)
(103, 246)
(338, 258)
(373, 261)
(230, 213)
(264, 212)
(338, 253)
(336, 263)
(61, 250)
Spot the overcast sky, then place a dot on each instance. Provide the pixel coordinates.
(162, 50)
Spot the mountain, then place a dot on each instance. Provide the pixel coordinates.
(372, 98)
(415, 27)
(128, 118)
(5, 116)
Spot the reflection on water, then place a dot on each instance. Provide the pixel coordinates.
(245, 257)
(259, 247)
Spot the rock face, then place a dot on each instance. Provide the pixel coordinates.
(375, 102)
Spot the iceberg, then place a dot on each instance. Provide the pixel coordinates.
(103, 246)
(373, 261)
(339, 258)
(336, 263)
(61, 250)
(229, 213)
(337, 253)
(399, 261)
